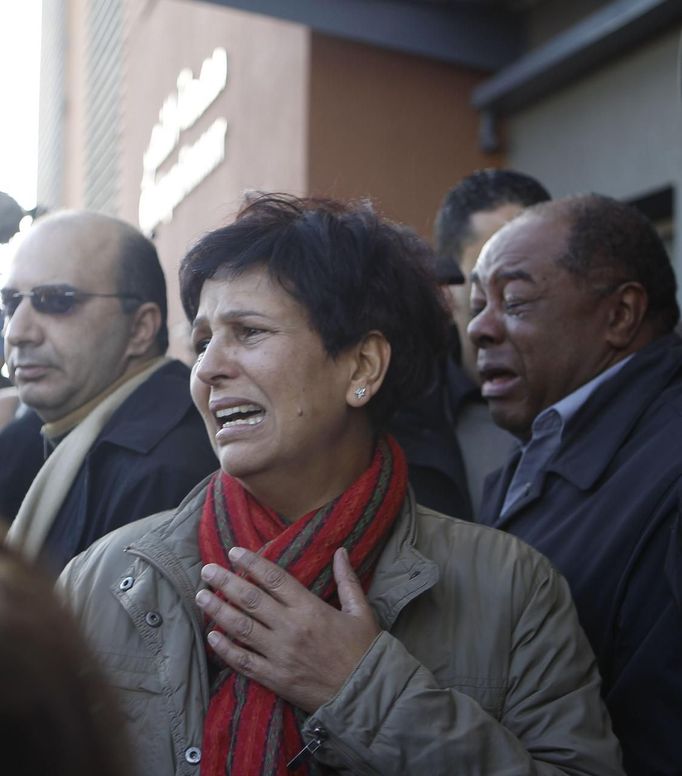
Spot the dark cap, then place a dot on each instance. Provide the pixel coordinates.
(447, 271)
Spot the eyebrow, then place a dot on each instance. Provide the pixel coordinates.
(507, 274)
(515, 274)
(61, 286)
(232, 315)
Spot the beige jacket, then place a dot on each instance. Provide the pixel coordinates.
(481, 667)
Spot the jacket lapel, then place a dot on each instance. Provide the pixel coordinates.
(613, 411)
(495, 489)
(402, 572)
(607, 415)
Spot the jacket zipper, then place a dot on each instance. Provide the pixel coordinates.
(320, 736)
(308, 750)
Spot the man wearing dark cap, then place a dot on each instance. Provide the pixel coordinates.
(449, 437)
(471, 213)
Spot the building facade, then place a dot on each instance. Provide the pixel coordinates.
(165, 113)
(595, 104)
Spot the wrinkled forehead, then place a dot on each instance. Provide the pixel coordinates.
(529, 243)
(75, 253)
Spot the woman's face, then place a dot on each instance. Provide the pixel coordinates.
(274, 402)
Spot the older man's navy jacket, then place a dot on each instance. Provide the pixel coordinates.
(606, 511)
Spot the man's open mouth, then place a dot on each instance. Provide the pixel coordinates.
(496, 375)
(240, 415)
(496, 381)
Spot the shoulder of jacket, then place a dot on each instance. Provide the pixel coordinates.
(116, 542)
(110, 550)
(159, 408)
(479, 548)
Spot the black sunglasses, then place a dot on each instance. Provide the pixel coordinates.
(50, 300)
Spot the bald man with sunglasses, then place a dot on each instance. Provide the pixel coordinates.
(85, 332)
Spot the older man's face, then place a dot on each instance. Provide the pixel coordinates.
(539, 331)
(59, 362)
(482, 225)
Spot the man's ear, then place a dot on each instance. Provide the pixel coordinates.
(371, 357)
(144, 326)
(629, 306)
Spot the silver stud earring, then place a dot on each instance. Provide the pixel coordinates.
(360, 392)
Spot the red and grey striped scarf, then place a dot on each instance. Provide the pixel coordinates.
(248, 729)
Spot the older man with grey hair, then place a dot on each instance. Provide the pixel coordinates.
(574, 313)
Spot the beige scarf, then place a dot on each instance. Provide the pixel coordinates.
(55, 478)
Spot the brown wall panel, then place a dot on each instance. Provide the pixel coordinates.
(391, 126)
(264, 104)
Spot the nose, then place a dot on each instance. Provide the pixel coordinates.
(23, 326)
(216, 363)
(486, 328)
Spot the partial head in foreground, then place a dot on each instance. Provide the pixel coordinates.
(84, 303)
(58, 715)
(559, 295)
(313, 321)
(471, 212)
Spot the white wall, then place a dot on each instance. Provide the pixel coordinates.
(616, 132)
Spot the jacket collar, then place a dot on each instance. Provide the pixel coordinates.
(495, 488)
(599, 429)
(614, 409)
(178, 535)
(148, 414)
(402, 572)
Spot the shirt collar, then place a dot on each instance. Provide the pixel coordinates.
(562, 411)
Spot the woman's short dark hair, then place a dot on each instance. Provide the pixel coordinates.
(352, 271)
